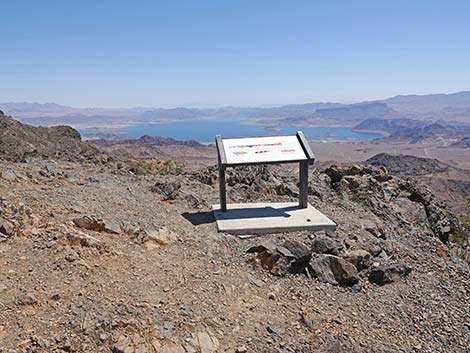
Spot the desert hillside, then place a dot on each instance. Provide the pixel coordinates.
(96, 257)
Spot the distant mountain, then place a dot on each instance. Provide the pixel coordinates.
(454, 106)
(414, 131)
(390, 125)
(144, 141)
(46, 109)
(443, 108)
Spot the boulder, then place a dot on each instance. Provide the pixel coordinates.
(326, 245)
(267, 245)
(387, 274)
(292, 256)
(359, 258)
(301, 255)
(334, 270)
(299, 250)
(168, 189)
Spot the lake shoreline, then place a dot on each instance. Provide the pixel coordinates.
(204, 131)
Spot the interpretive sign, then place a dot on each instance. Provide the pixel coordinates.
(265, 150)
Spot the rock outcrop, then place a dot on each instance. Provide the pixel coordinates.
(19, 142)
(405, 165)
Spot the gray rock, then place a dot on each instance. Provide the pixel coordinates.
(326, 245)
(255, 281)
(185, 310)
(301, 255)
(6, 227)
(168, 189)
(266, 246)
(274, 330)
(334, 270)
(299, 250)
(387, 274)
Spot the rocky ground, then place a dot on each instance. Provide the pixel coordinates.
(94, 258)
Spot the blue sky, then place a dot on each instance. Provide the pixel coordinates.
(202, 53)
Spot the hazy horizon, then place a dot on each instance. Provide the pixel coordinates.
(216, 106)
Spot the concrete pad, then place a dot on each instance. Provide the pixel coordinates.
(258, 218)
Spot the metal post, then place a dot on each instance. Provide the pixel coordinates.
(222, 191)
(303, 184)
(222, 163)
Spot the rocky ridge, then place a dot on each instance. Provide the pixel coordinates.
(18, 141)
(406, 165)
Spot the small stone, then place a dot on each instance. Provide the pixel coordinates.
(162, 236)
(112, 227)
(26, 299)
(71, 256)
(274, 330)
(255, 281)
(6, 227)
(56, 296)
(186, 310)
(241, 349)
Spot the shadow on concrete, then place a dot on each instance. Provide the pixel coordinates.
(258, 212)
(198, 218)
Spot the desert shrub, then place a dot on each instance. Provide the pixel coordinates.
(158, 166)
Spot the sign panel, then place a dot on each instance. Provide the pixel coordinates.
(263, 149)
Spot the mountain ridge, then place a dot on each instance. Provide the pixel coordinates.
(436, 106)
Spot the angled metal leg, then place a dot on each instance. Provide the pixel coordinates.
(303, 184)
(222, 191)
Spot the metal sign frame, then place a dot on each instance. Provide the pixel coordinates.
(303, 168)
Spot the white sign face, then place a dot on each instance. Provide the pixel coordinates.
(263, 149)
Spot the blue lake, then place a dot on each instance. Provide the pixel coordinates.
(205, 130)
